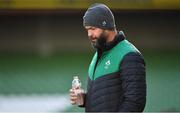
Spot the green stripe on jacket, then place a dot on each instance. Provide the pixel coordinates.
(110, 60)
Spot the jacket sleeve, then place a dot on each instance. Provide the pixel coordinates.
(133, 76)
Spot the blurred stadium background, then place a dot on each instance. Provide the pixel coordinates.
(43, 45)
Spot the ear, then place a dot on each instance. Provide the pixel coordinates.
(106, 32)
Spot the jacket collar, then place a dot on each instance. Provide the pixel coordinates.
(118, 38)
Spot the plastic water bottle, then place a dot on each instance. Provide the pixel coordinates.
(76, 86)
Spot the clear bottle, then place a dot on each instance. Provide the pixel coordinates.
(76, 86)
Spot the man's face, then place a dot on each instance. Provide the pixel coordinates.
(96, 36)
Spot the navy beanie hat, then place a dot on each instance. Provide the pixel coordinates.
(99, 15)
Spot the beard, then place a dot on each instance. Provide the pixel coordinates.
(100, 43)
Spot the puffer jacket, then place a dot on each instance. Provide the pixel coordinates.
(120, 88)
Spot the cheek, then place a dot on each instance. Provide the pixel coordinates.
(96, 32)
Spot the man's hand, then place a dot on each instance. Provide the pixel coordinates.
(73, 97)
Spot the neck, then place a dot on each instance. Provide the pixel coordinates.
(111, 35)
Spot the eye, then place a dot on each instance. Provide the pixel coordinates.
(93, 28)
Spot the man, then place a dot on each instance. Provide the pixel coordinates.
(116, 81)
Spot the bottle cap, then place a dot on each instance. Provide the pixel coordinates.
(75, 77)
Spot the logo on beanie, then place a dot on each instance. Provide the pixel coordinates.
(104, 23)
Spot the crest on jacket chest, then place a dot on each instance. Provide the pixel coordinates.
(107, 64)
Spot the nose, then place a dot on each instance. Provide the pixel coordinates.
(89, 34)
